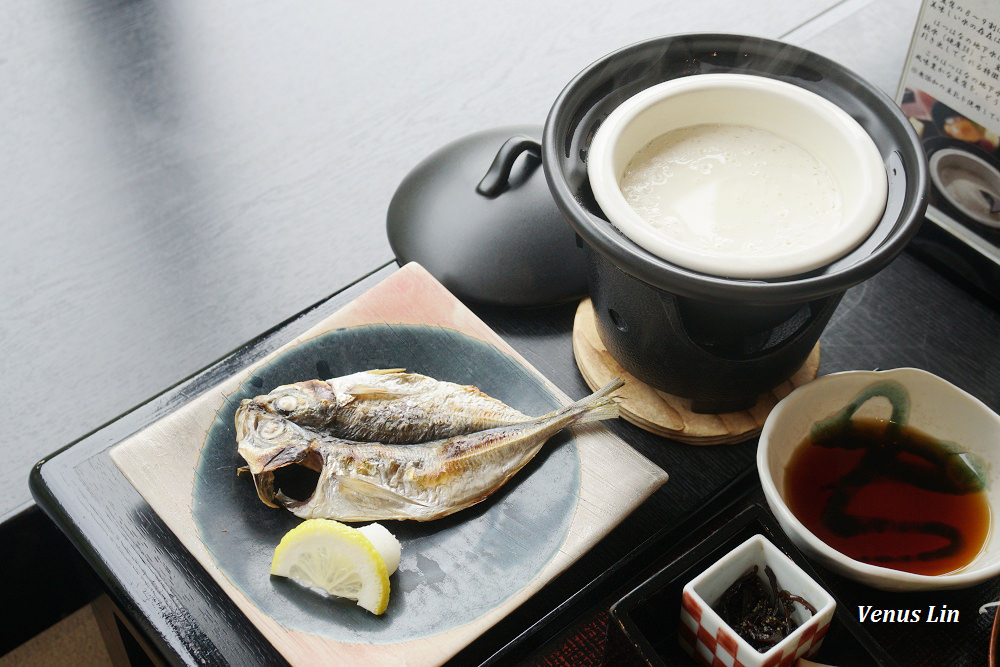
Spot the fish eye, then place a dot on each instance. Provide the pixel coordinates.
(271, 429)
(286, 404)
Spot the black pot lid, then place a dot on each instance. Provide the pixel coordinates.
(478, 215)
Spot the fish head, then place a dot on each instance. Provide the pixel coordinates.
(267, 441)
(310, 403)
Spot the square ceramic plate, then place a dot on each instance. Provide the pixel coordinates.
(459, 575)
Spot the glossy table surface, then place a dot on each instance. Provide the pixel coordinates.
(179, 180)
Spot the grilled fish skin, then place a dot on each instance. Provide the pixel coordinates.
(362, 481)
(389, 406)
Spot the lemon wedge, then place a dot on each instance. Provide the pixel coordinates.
(339, 559)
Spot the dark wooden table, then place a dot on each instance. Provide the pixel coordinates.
(179, 179)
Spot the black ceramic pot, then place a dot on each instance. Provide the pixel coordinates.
(720, 342)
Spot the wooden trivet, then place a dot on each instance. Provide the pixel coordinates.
(668, 415)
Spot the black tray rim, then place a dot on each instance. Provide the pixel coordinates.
(757, 513)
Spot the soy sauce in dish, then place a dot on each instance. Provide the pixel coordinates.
(889, 495)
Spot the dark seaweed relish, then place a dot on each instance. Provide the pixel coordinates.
(758, 614)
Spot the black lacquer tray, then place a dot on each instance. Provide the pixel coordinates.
(643, 626)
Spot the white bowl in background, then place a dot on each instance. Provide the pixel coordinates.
(938, 408)
(790, 112)
(961, 178)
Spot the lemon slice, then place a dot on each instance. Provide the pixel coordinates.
(338, 559)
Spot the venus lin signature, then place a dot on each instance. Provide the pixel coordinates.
(934, 615)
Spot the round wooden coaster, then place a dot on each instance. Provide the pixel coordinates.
(668, 415)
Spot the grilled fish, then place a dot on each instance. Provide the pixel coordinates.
(389, 406)
(364, 481)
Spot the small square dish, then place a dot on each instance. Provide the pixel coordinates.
(644, 628)
(707, 636)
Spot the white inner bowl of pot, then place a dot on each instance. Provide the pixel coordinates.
(737, 175)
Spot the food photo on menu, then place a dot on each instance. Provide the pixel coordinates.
(950, 92)
(964, 161)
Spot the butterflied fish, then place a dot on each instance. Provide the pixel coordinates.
(361, 481)
(389, 406)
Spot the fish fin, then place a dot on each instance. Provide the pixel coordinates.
(599, 405)
(353, 488)
(368, 391)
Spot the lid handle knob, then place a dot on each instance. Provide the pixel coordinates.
(495, 180)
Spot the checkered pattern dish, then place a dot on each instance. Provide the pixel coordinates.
(712, 643)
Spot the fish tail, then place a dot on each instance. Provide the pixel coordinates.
(599, 405)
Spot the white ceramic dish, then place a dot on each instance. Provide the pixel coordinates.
(792, 113)
(937, 408)
(709, 640)
(961, 178)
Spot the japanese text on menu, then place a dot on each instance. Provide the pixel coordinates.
(955, 56)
